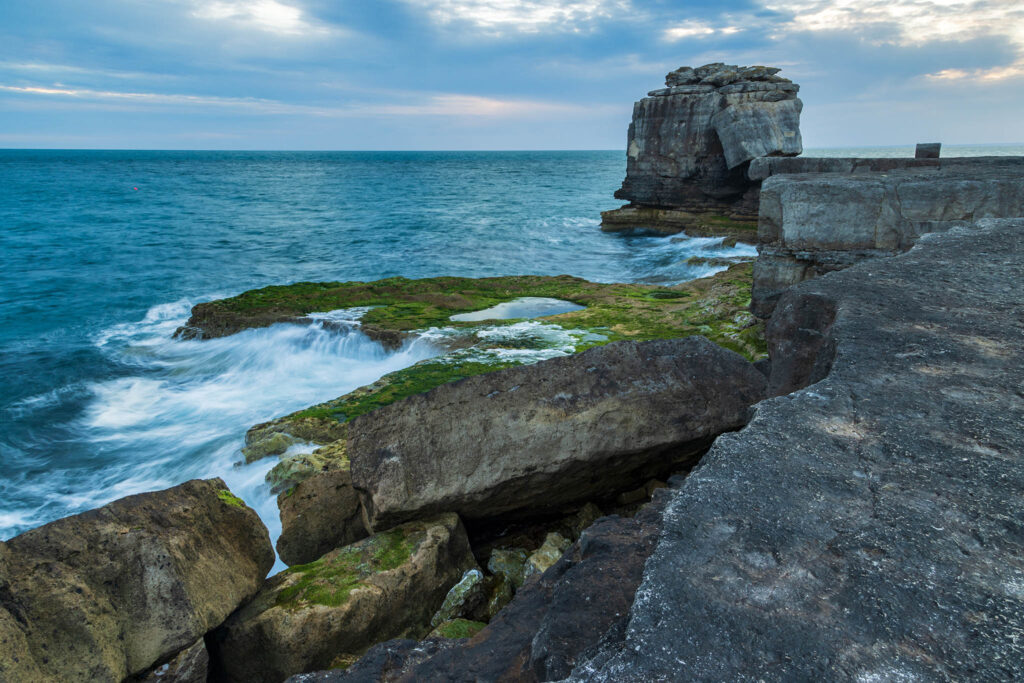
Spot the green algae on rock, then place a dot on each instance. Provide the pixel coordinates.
(385, 586)
(457, 628)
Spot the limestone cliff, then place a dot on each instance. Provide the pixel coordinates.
(690, 145)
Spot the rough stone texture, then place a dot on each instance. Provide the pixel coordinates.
(318, 515)
(382, 662)
(689, 144)
(543, 437)
(812, 224)
(553, 620)
(111, 592)
(867, 527)
(191, 665)
(311, 616)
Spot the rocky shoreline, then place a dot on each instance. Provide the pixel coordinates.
(629, 490)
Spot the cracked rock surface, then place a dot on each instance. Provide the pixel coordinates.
(869, 526)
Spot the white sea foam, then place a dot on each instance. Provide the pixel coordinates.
(183, 410)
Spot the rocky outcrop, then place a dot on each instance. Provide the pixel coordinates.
(191, 665)
(328, 612)
(536, 439)
(866, 527)
(812, 224)
(317, 515)
(689, 145)
(549, 626)
(115, 591)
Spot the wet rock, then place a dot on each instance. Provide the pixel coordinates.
(295, 468)
(110, 593)
(274, 444)
(545, 557)
(509, 563)
(319, 514)
(549, 436)
(382, 662)
(457, 628)
(191, 665)
(466, 600)
(311, 616)
(866, 526)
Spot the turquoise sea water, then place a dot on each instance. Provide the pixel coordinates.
(97, 401)
(104, 253)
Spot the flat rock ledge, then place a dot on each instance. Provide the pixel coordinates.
(869, 526)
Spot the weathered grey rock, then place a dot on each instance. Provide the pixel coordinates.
(318, 515)
(312, 616)
(749, 130)
(110, 593)
(689, 144)
(544, 437)
(466, 600)
(383, 662)
(867, 527)
(812, 224)
(191, 665)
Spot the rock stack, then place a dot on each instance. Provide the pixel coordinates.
(690, 144)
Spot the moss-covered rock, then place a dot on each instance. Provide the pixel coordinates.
(509, 563)
(108, 594)
(457, 628)
(543, 558)
(307, 617)
(466, 600)
(319, 514)
(297, 468)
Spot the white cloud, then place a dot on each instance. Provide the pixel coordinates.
(916, 22)
(269, 16)
(499, 17)
(442, 104)
(697, 29)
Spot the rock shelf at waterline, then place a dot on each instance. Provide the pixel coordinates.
(714, 307)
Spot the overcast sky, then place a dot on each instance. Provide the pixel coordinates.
(489, 74)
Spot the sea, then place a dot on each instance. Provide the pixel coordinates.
(103, 254)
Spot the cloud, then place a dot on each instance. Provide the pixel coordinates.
(697, 29)
(500, 17)
(269, 16)
(444, 104)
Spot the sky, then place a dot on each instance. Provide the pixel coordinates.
(489, 74)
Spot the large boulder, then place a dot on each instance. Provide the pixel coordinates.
(319, 514)
(327, 612)
(536, 439)
(110, 593)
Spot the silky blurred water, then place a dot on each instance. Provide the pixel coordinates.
(104, 253)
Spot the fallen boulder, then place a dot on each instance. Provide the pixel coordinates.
(319, 514)
(110, 593)
(533, 440)
(327, 612)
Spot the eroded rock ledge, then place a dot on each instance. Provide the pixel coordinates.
(868, 526)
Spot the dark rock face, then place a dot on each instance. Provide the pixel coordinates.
(191, 665)
(112, 592)
(553, 620)
(540, 438)
(327, 612)
(321, 513)
(689, 144)
(816, 223)
(867, 527)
